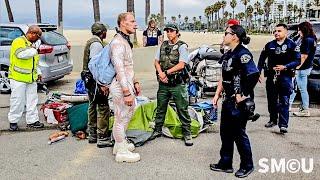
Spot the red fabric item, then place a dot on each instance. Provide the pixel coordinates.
(233, 22)
(59, 110)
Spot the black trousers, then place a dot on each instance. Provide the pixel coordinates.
(233, 130)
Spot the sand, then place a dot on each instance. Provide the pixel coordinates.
(194, 40)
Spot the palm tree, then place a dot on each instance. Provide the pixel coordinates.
(130, 8)
(295, 9)
(223, 4)
(60, 15)
(162, 13)
(173, 19)
(186, 21)
(316, 2)
(10, 16)
(260, 12)
(249, 12)
(96, 10)
(233, 4)
(289, 9)
(257, 7)
(300, 13)
(194, 23)
(241, 16)
(226, 14)
(38, 12)
(147, 13)
(215, 9)
(280, 9)
(245, 3)
(207, 14)
(267, 8)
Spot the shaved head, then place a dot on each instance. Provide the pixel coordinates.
(34, 33)
(35, 29)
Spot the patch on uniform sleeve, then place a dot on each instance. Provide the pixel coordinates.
(297, 49)
(245, 58)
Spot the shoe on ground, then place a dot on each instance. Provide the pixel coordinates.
(13, 127)
(155, 134)
(104, 141)
(188, 140)
(124, 155)
(92, 137)
(270, 124)
(36, 125)
(219, 168)
(283, 130)
(302, 113)
(242, 173)
(129, 146)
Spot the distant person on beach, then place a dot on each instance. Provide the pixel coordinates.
(152, 36)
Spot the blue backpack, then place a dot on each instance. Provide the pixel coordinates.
(101, 67)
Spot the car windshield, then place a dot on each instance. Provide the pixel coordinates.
(8, 34)
(53, 38)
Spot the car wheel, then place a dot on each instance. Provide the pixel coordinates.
(4, 82)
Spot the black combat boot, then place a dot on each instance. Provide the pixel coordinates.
(104, 141)
(92, 138)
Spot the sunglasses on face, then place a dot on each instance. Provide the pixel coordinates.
(226, 33)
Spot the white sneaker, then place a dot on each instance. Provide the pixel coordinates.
(302, 113)
(129, 146)
(124, 155)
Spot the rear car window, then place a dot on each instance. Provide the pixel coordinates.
(53, 38)
(316, 29)
(8, 34)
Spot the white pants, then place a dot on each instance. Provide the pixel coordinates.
(23, 95)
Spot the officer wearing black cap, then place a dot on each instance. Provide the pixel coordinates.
(170, 61)
(283, 57)
(98, 111)
(239, 77)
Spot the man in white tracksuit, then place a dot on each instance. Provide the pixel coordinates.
(24, 74)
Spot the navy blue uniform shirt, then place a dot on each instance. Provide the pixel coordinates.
(287, 54)
(237, 66)
(308, 46)
(152, 36)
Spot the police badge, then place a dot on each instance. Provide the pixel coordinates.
(284, 47)
(245, 58)
(175, 47)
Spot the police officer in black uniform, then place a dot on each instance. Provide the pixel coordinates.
(239, 77)
(283, 57)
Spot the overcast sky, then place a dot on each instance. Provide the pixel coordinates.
(77, 10)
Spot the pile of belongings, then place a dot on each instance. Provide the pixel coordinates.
(70, 112)
(142, 123)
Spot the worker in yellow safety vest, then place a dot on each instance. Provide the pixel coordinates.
(24, 74)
